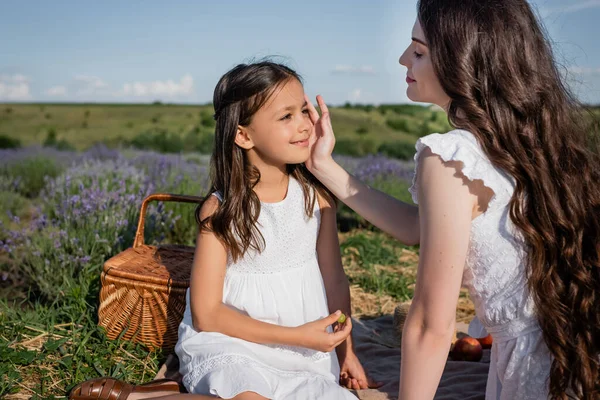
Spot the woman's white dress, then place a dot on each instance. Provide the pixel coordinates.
(282, 285)
(495, 276)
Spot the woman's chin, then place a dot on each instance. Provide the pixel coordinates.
(412, 96)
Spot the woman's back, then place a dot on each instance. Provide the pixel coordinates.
(495, 275)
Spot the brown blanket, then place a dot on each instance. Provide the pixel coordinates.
(379, 351)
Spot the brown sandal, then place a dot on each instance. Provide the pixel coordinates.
(113, 389)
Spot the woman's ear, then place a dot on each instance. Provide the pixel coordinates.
(243, 139)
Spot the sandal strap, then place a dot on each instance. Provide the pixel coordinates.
(123, 390)
(108, 388)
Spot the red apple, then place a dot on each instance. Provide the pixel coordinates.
(466, 349)
(486, 342)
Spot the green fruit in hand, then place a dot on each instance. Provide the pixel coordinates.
(342, 318)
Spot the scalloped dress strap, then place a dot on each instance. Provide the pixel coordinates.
(218, 195)
(461, 145)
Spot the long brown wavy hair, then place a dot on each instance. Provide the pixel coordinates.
(239, 94)
(495, 63)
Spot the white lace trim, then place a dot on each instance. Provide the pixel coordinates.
(199, 370)
(261, 268)
(460, 145)
(313, 355)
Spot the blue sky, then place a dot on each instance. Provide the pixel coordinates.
(141, 51)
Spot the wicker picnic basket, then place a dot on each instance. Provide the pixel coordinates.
(143, 288)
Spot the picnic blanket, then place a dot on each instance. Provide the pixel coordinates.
(378, 348)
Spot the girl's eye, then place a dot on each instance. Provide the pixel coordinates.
(305, 111)
(287, 116)
(418, 55)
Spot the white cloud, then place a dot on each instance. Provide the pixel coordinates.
(87, 85)
(57, 91)
(168, 88)
(584, 71)
(355, 95)
(14, 87)
(584, 5)
(353, 70)
(571, 8)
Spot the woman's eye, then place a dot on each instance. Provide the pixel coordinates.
(418, 55)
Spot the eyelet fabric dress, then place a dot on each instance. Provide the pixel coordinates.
(281, 285)
(495, 275)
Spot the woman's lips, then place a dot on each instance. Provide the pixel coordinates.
(409, 80)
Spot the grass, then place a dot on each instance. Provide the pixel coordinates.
(375, 262)
(82, 125)
(48, 348)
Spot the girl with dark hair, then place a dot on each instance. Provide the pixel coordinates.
(267, 281)
(508, 204)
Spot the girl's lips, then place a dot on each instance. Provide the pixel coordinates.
(408, 80)
(302, 143)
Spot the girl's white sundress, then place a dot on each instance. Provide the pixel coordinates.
(282, 285)
(495, 276)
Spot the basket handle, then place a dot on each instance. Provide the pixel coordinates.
(139, 235)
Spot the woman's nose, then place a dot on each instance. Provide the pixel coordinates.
(403, 60)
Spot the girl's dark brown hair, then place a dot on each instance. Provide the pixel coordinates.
(239, 94)
(495, 63)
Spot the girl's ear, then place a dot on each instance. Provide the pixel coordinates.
(243, 139)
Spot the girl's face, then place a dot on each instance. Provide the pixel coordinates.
(423, 84)
(279, 131)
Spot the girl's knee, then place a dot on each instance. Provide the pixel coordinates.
(249, 396)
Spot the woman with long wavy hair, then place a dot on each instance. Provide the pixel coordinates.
(508, 204)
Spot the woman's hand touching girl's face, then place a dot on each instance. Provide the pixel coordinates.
(322, 139)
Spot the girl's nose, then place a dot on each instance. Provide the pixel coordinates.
(305, 125)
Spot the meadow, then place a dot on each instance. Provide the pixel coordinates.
(63, 213)
(72, 179)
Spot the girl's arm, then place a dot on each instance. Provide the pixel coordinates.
(211, 315)
(447, 203)
(330, 262)
(399, 219)
(352, 373)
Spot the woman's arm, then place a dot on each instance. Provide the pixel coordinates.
(447, 204)
(399, 219)
(211, 315)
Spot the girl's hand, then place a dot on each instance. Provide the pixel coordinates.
(314, 335)
(353, 375)
(322, 141)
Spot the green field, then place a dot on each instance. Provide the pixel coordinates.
(360, 130)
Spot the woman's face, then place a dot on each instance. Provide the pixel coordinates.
(423, 84)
